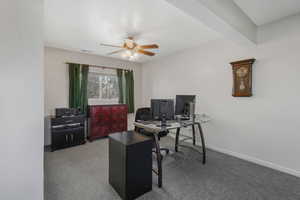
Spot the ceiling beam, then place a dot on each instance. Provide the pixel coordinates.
(222, 16)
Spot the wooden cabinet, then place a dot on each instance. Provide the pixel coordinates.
(106, 119)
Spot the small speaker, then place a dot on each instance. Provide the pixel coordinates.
(67, 112)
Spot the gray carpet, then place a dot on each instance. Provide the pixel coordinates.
(81, 173)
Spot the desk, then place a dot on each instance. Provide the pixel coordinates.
(151, 126)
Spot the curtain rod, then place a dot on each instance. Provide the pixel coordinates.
(103, 67)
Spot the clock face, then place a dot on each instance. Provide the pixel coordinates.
(241, 72)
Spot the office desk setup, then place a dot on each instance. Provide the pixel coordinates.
(132, 179)
(155, 128)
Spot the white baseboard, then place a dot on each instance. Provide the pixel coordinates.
(253, 160)
(257, 161)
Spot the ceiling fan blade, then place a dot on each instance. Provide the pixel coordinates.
(109, 45)
(148, 53)
(149, 46)
(114, 52)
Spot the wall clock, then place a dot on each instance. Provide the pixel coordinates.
(242, 78)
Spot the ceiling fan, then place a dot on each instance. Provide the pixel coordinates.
(131, 48)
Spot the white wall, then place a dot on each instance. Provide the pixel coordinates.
(57, 81)
(21, 100)
(263, 128)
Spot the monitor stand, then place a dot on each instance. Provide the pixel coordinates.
(163, 125)
(185, 118)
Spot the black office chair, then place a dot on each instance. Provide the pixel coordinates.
(145, 114)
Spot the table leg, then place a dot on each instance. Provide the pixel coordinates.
(203, 144)
(159, 160)
(176, 139)
(194, 137)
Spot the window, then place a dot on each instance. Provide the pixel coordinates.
(102, 87)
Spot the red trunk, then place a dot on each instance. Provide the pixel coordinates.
(106, 119)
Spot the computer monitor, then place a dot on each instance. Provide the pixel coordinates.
(162, 107)
(183, 103)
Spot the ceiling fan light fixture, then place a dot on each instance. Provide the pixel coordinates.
(129, 43)
(130, 55)
(127, 54)
(133, 57)
(131, 50)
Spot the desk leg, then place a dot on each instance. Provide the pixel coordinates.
(176, 139)
(203, 144)
(194, 137)
(159, 159)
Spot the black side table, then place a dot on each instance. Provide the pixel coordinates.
(130, 164)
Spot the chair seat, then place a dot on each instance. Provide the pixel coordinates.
(163, 134)
(143, 132)
(145, 115)
(149, 134)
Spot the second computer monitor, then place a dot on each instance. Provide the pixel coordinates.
(183, 104)
(162, 108)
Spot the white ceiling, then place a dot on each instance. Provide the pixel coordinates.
(266, 11)
(84, 24)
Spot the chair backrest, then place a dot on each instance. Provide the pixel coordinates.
(143, 114)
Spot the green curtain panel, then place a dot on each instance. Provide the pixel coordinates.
(74, 85)
(78, 79)
(120, 82)
(84, 82)
(129, 97)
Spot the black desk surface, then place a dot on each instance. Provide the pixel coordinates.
(129, 137)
